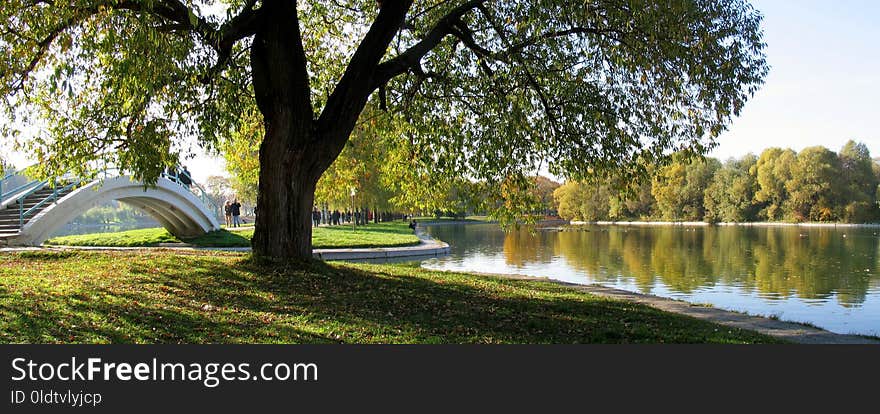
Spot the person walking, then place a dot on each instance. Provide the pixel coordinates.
(227, 210)
(185, 177)
(171, 173)
(235, 209)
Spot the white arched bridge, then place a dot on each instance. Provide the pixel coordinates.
(30, 212)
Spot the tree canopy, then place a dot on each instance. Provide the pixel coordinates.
(482, 90)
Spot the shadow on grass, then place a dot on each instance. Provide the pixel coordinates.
(194, 299)
(220, 238)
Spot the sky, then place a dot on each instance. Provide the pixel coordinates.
(823, 87)
(824, 82)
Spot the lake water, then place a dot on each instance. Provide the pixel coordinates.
(825, 276)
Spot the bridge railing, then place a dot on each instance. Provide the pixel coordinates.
(4, 181)
(19, 194)
(181, 178)
(7, 194)
(184, 179)
(56, 190)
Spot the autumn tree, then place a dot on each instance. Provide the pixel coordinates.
(730, 195)
(584, 201)
(543, 188)
(241, 152)
(815, 186)
(772, 170)
(860, 183)
(360, 167)
(491, 89)
(637, 204)
(679, 187)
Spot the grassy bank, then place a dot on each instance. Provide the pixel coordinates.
(391, 234)
(212, 297)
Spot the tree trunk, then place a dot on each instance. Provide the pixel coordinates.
(289, 168)
(297, 148)
(283, 227)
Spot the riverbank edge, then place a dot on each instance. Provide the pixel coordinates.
(703, 223)
(789, 331)
(786, 330)
(427, 246)
(540, 223)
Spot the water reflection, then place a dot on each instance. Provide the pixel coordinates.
(827, 276)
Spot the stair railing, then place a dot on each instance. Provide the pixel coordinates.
(6, 176)
(56, 190)
(7, 194)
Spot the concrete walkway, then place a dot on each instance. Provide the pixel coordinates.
(789, 331)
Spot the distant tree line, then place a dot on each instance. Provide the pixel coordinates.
(815, 185)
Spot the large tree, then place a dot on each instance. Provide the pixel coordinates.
(583, 201)
(816, 187)
(772, 170)
(730, 195)
(488, 89)
(860, 183)
(680, 187)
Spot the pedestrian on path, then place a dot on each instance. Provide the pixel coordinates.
(227, 210)
(235, 209)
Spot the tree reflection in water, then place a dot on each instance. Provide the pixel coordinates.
(811, 265)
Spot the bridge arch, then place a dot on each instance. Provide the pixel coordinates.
(180, 211)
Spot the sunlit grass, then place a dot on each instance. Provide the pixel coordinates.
(390, 234)
(128, 238)
(210, 297)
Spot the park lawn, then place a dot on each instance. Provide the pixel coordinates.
(129, 238)
(165, 296)
(391, 234)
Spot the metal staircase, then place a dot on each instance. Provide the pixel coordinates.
(24, 205)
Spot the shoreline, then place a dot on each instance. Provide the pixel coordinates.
(788, 330)
(793, 331)
(722, 224)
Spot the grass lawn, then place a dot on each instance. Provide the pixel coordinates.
(212, 297)
(391, 234)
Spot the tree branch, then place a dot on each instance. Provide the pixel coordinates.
(466, 35)
(411, 57)
(533, 82)
(42, 47)
(351, 93)
(179, 17)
